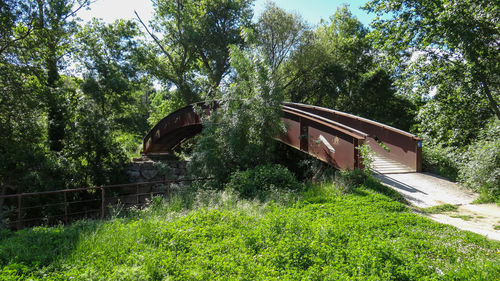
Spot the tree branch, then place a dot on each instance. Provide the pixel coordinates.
(30, 29)
(493, 103)
(72, 13)
(155, 39)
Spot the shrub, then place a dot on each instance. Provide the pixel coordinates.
(481, 171)
(441, 161)
(368, 157)
(255, 182)
(240, 134)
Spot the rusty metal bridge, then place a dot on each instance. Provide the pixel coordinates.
(329, 135)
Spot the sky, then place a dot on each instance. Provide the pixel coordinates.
(311, 10)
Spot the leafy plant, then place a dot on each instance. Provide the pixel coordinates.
(441, 161)
(240, 133)
(464, 217)
(357, 236)
(367, 155)
(481, 168)
(255, 182)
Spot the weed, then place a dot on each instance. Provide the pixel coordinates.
(464, 217)
(439, 209)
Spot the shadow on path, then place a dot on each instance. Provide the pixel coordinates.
(385, 179)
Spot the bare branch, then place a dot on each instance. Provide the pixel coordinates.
(155, 38)
(85, 3)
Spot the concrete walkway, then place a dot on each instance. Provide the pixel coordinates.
(426, 190)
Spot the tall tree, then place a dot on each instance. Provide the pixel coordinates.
(108, 54)
(108, 114)
(279, 33)
(192, 48)
(336, 67)
(21, 95)
(54, 24)
(239, 135)
(458, 39)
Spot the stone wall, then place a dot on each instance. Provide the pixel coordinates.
(149, 170)
(146, 170)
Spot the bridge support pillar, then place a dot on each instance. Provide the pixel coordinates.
(304, 135)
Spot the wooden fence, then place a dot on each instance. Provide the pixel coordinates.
(67, 205)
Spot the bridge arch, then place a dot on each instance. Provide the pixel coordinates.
(329, 135)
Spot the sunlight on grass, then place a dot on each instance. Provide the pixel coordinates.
(319, 233)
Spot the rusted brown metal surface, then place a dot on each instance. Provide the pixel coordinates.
(384, 140)
(329, 135)
(174, 129)
(324, 139)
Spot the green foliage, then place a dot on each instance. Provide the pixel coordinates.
(429, 46)
(481, 169)
(54, 26)
(91, 154)
(368, 157)
(357, 236)
(41, 110)
(25, 164)
(112, 76)
(255, 182)
(475, 165)
(452, 120)
(336, 67)
(279, 33)
(463, 217)
(193, 52)
(162, 103)
(21, 123)
(440, 161)
(240, 133)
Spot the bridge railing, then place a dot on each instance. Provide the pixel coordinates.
(181, 123)
(386, 141)
(325, 139)
(330, 135)
(67, 205)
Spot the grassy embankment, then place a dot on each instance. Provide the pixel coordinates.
(319, 234)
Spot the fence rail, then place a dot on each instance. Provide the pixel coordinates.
(68, 205)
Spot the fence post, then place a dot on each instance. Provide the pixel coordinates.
(137, 194)
(65, 208)
(103, 202)
(19, 212)
(151, 191)
(168, 189)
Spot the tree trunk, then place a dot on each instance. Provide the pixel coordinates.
(493, 103)
(56, 111)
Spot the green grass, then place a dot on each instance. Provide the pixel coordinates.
(439, 209)
(463, 217)
(324, 235)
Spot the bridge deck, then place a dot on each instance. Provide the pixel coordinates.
(384, 165)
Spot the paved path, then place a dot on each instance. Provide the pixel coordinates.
(426, 190)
